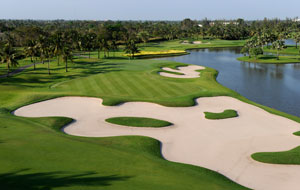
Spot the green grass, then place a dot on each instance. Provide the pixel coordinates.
(292, 50)
(285, 157)
(35, 154)
(271, 59)
(138, 122)
(297, 133)
(224, 115)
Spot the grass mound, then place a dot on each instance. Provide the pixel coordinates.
(224, 115)
(138, 122)
(271, 59)
(284, 157)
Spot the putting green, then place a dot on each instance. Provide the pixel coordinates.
(138, 122)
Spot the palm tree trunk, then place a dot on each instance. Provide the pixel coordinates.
(8, 69)
(49, 67)
(66, 64)
(58, 60)
(98, 54)
(33, 63)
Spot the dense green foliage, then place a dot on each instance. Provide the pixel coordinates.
(223, 115)
(138, 122)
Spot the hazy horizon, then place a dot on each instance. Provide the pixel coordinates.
(135, 10)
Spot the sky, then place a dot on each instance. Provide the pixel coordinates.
(148, 9)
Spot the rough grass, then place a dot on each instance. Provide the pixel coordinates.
(224, 115)
(138, 122)
(271, 59)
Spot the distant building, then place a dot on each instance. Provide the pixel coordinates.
(224, 23)
(296, 20)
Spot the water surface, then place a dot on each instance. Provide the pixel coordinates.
(273, 85)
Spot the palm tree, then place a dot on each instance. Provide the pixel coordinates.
(88, 42)
(278, 45)
(143, 36)
(31, 51)
(296, 38)
(105, 48)
(131, 48)
(67, 54)
(46, 49)
(42, 46)
(101, 43)
(114, 46)
(58, 45)
(9, 56)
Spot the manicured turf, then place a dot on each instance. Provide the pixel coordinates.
(292, 50)
(138, 122)
(224, 115)
(271, 59)
(297, 133)
(285, 157)
(35, 154)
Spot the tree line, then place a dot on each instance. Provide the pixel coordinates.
(61, 39)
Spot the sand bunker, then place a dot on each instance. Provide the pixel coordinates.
(188, 72)
(224, 146)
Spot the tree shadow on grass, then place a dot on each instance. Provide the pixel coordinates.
(20, 180)
(267, 57)
(29, 79)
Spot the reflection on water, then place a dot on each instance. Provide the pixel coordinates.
(272, 85)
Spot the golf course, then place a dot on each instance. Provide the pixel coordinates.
(90, 105)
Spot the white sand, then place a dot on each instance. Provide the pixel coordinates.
(190, 71)
(197, 42)
(224, 146)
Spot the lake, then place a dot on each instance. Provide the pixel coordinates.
(273, 85)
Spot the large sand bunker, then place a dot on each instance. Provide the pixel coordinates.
(224, 146)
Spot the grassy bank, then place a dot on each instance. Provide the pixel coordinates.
(292, 50)
(271, 59)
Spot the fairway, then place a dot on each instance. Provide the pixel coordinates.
(101, 163)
